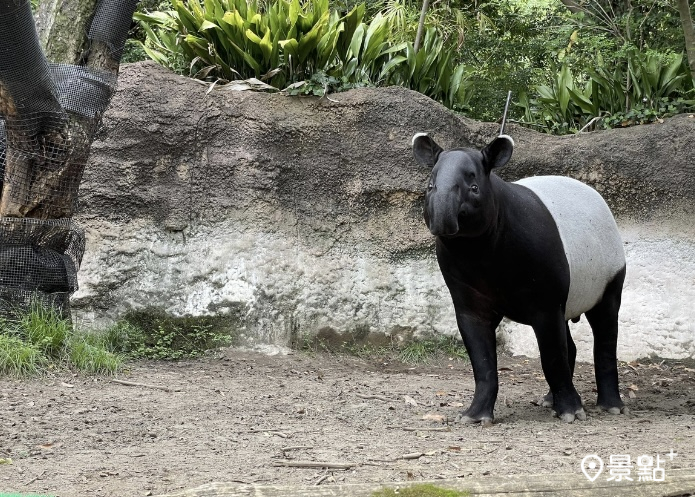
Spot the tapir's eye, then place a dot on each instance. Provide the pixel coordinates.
(474, 188)
(430, 186)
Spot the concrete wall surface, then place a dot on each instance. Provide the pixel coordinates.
(304, 216)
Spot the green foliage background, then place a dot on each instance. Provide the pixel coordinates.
(615, 63)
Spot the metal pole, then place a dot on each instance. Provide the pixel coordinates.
(506, 108)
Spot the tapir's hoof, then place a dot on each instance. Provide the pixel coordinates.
(547, 401)
(465, 419)
(618, 410)
(569, 417)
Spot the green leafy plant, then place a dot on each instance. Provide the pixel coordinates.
(304, 46)
(651, 88)
(151, 334)
(234, 39)
(641, 114)
(431, 71)
(321, 84)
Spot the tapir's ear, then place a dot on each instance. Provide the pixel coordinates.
(426, 151)
(498, 152)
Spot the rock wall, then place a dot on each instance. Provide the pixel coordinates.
(303, 215)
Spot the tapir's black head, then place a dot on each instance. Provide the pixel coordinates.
(459, 200)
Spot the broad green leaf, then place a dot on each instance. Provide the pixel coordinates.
(207, 25)
(234, 19)
(256, 20)
(356, 42)
(295, 8)
(310, 40)
(266, 46)
(391, 64)
(197, 11)
(196, 41)
(326, 47)
(545, 92)
(155, 55)
(352, 20)
(671, 85)
(185, 16)
(290, 48)
(275, 55)
(350, 68)
(563, 86)
(668, 73)
(253, 37)
(209, 7)
(582, 102)
(373, 39)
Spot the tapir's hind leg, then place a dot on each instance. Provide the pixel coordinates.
(547, 400)
(603, 318)
(550, 328)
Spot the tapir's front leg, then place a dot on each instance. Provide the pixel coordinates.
(478, 335)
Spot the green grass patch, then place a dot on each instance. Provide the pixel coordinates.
(423, 350)
(39, 338)
(90, 354)
(420, 490)
(44, 328)
(17, 358)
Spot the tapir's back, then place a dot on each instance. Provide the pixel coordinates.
(590, 236)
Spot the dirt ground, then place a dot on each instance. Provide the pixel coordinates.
(241, 416)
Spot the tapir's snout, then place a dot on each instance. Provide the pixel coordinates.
(446, 227)
(442, 213)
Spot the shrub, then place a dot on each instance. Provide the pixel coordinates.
(652, 87)
(288, 42)
(152, 334)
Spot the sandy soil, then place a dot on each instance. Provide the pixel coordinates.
(240, 416)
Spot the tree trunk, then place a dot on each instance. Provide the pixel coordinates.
(689, 32)
(53, 111)
(28, 101)
(421, 25)
(63, 27)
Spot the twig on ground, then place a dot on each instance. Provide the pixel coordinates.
(416, 428)
(143, 385)
(296, 447)
(375, 397)
(321, 480)
(412, 455)
(315, 464)
(272, 431)
(39, 477)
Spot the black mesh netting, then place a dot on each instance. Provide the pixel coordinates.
(39, 260)
(49, 115)
(111, 23)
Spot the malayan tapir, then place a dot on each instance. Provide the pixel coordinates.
(540, 251)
